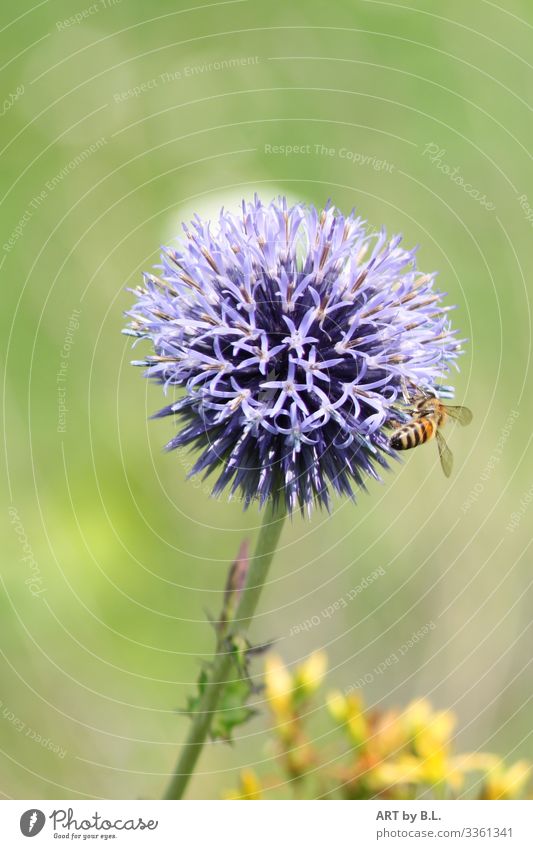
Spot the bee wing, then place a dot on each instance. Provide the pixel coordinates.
(446, 456)
(461, 414)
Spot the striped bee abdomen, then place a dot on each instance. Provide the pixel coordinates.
(413, 434)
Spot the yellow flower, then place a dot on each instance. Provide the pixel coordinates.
(395, 753)
(409, 769)
(388, 734)
(349, 711)
(439, 768)
(249, 787)
(403, 770)
(476, 762)
(415, 715)
(502, 783)
(337, 706)
(429, 733)
(278, 686)
(427, 727)
(310, 673)
(439, 729)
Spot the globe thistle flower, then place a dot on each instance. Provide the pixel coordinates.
(292, 334)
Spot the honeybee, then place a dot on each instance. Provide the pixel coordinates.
(429, 416)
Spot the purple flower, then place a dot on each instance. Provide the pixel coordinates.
(292, 335)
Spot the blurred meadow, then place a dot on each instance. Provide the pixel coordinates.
(119, 120)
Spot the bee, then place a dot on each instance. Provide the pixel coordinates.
(429, 416)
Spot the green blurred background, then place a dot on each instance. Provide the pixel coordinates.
(114, 128)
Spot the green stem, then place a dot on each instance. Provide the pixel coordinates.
(221, 666)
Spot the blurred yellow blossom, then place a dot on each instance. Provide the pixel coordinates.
(286, 694)
(310, 674)
(429, 732)
(502, 783)
(405, 769)
(278, 686)
(349, 711)
(387, 753)
(337, 706)
(249, 787)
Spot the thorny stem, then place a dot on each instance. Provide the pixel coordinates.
(221, 666)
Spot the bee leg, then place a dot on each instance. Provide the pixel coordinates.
(405, 392)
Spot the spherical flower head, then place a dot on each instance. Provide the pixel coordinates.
(293, 336)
